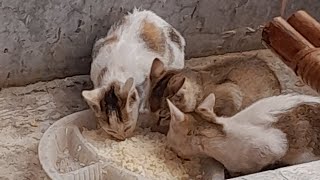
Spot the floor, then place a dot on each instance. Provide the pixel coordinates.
(307, 171)
(26, 112)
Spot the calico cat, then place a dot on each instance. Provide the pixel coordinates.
(121, 66)
(282, 129)
(236, 84)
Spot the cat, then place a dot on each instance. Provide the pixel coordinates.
(282, 129)
(236, 84)
(121, 65)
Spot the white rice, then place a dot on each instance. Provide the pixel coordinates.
(146, 154)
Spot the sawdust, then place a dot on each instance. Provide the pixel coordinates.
(25, 114)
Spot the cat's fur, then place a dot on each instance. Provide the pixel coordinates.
(121, 66)
(282, 129)
(236, 84)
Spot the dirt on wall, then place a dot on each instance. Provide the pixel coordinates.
(43, 40)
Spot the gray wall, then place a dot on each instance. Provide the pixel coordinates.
(46, 39)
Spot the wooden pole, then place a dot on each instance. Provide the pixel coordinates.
(307, 26)
(284, 41)
(294, 50)
(309, 69)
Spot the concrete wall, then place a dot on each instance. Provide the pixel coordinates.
(46, 39)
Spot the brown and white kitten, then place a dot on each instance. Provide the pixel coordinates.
(236, 85)
(282, 129)
(121, 66)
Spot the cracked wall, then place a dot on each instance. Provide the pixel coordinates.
(43, 39)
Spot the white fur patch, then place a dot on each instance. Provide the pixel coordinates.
(264, 110)
(251, 142)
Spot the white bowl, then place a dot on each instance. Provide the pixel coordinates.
(64, 135)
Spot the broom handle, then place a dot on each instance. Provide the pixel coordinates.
(307, 26)
(294, 50)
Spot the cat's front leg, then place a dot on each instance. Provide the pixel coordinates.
(144, 89)
(144, 107)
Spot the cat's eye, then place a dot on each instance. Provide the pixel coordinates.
(95, 108)
(127, 128)
(132, 99)
(112, 132)
(202, 109)
(179, 97)
(163, 113)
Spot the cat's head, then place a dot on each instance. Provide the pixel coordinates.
(180, 130)
(116, 107)
(170, 84)
(183, 126)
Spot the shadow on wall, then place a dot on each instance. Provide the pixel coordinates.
(42, 40)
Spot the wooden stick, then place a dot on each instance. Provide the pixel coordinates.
(294, 50)
(284, 40)
(308, 68)
(307, 26)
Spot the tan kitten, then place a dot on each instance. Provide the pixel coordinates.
(282, 129)
(236, 84)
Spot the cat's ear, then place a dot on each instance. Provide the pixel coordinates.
(132, 100)
(128, 86)
(93, 98)
(207, 105)
(157, 69)
(175, 84)
(175, 113)
(128, 90)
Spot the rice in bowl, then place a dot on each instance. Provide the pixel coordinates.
(146, 154)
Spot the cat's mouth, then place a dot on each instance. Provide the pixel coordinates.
(118, 138)
(114, 136)
(180, 156)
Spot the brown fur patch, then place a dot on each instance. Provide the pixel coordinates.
(101, 74)
(302, 126)
(175, 38)
(228, 99)
(199, 124)
(106, 41)
(153, 37)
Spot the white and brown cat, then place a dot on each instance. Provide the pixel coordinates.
(282, 129)
(236, 84)
(121, 66)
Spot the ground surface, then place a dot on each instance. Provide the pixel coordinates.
(307, 171)
(26, 112)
